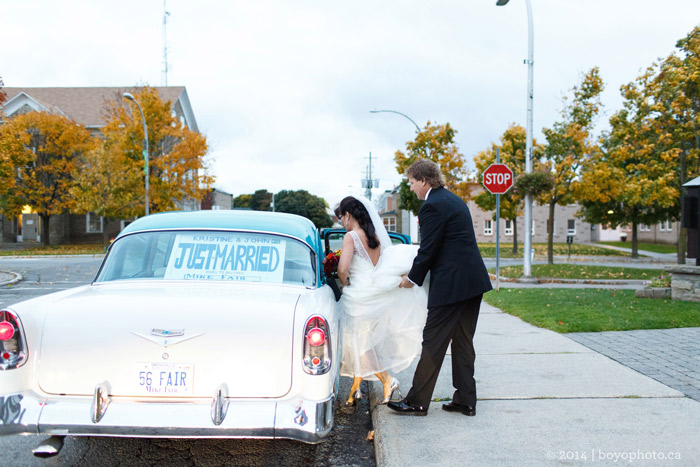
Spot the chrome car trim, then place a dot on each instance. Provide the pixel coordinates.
(100, 401)
(205, 229)
(314, 263)
(49, 447)
(166, 341)
(219, 406)
(168, 332)
(251, 418)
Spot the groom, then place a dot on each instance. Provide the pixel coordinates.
(458, 280)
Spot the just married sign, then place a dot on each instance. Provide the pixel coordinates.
(227, 256)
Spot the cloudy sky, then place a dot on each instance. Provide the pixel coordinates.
(283, 88)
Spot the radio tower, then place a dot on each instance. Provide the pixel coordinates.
(164, 71)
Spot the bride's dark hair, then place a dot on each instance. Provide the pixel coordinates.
(359, 212)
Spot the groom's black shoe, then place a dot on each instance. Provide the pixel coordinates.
(455, 407)
(405, 407)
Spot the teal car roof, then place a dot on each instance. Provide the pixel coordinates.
(261, 221)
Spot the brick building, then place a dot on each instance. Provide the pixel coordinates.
(86, 106)
(565, 223)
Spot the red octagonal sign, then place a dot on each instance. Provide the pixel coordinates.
(498, 178)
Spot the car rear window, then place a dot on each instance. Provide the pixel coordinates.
(210, 256)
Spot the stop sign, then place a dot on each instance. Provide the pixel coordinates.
(498, 178)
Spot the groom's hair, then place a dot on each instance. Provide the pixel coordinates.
(425, 169)
(359, 212)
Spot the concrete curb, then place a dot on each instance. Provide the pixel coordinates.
(554, 280)
(9, 278)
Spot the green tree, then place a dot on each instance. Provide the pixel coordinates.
(631, 178)
(108, 183)
(38, 163)
(435, 142)
(177, 166)
(512, 153)
(242, 201)
(261, 200)
(676, 91)
(303, 203)
(569, 144)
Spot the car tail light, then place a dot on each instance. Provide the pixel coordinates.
(317, 348)
(316, 336)
(13, 348)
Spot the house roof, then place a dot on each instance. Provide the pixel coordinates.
(693, 182)
(86, 105)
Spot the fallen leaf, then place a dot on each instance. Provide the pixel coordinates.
(370, 436)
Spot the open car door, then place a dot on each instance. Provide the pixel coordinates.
(333, 240)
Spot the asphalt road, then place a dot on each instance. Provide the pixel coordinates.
(347, 444)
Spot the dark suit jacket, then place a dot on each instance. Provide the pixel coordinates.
(448, 250)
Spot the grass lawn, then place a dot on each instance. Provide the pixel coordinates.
(488, 250)
(594, 310)
(642, 246)
(81, 249)
(575, 271)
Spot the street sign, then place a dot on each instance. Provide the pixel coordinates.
(498, 178)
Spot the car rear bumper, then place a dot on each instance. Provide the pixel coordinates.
(298, 419)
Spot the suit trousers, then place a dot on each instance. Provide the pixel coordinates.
(455, 322)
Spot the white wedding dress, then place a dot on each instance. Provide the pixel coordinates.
(382, 323)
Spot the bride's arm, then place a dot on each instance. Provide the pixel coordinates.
(346, 259)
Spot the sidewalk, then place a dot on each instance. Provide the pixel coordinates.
(543, 400)
(670, 257)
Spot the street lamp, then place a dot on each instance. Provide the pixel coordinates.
(375, 111)
(527, 260)
(130, 97)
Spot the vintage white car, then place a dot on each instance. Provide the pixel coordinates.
(208, 324)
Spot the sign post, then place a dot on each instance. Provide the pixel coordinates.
(497, 179)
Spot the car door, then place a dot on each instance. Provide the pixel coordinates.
(333, 240)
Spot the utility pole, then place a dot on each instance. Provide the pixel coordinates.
(164, 71)
(368, 182)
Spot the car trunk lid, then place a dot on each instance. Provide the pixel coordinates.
(176, 340)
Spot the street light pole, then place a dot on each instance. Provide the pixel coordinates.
(130, 97)
(375, 111)
(527, 259)
(427, 149)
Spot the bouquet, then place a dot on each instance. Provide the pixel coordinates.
(330, 263)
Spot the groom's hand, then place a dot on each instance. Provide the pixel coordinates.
(405, 283)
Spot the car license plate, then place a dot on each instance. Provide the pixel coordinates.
(164, 379)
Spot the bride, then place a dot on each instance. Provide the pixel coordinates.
(382, 324)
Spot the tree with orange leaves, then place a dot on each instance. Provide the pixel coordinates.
(38, 153)
(435, 142)
(177, 166)
(570, 144)
(512, 154)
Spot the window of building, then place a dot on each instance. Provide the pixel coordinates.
(665, 226)
(509, 227)
(571, 227)
(94, 223)
(390, 223)
(644, 227)
(488, 227)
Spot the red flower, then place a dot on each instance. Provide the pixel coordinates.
(330, 264)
